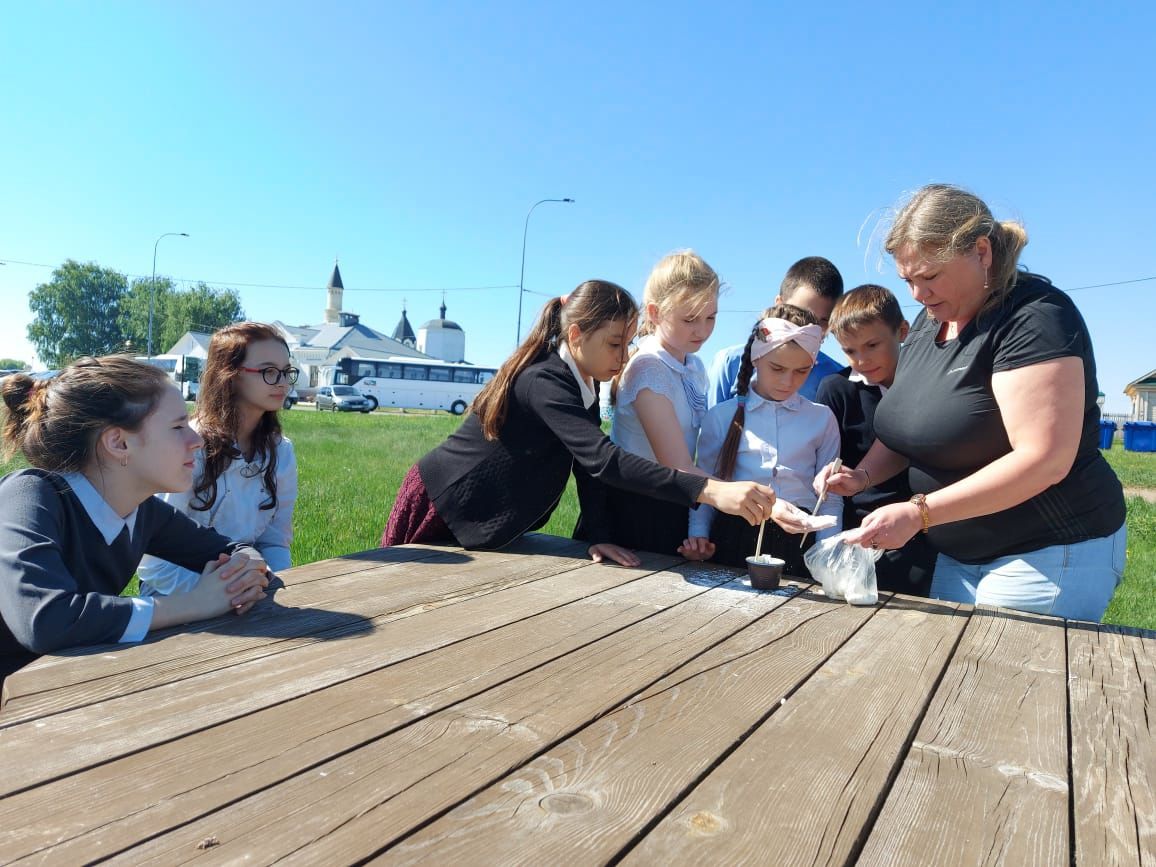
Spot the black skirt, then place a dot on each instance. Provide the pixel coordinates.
(641, 523)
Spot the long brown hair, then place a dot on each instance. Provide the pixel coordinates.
(55, 423)
(730, 450)
(590, 306)
(217, 417)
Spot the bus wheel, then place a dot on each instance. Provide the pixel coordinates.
(459, 406)
(372, 403)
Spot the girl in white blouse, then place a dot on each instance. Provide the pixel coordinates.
(245, 475)
(769, 433)
(660, 397)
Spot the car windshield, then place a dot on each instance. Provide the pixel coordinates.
(346, 389)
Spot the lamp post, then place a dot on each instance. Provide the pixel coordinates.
(153, 286)
(522, 273)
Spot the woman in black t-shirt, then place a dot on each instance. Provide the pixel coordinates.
(993, 413)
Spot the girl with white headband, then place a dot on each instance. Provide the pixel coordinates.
(771, 434)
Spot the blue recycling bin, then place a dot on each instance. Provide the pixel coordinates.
(1140, 436)
(1107, 433)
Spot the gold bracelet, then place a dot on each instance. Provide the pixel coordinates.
(868, 483)
(920, 502)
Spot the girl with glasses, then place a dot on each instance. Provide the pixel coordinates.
(245, 479)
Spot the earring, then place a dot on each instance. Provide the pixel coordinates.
(985, 277)
(124, 461)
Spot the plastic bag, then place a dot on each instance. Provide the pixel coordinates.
(845, 571)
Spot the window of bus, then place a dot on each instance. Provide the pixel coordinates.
(363, 368)
(439, 374)
(389, 371)
(412, 371)
(466, 376)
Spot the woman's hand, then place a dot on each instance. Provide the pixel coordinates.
(621, 556)
(887, 528)
(697, 548)
(750, 501)
(845, 482)
(233, 583)
(790, 517)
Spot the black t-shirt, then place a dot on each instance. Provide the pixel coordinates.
(854, 404)
(942, 416)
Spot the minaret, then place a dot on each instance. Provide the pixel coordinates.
(334, 290)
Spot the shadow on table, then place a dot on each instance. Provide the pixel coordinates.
(270, 619)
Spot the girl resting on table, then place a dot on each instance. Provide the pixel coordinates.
(503, 471)
(769, 431)
(245, 475)
(102, 438)
(660, 397)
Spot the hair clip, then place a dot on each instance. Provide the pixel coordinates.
(562, 299)
(742, 399)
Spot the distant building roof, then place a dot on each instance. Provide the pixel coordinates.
(442, 324)
(335, 280)
(403, 333)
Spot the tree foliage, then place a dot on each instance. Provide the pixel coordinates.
(13, 364)
(175, 311)
(76, 313)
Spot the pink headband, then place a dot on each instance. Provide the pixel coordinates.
(777, 332)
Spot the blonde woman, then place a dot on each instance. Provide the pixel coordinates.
(993, 415)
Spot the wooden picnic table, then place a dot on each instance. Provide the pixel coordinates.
(425, 704)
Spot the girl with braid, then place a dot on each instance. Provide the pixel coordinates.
(769, 433)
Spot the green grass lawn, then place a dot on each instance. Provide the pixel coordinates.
(350, 467)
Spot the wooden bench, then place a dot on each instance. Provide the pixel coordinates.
(437, 705)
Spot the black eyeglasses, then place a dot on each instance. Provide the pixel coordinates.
(272, 375)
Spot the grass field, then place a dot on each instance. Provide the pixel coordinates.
(351, 466)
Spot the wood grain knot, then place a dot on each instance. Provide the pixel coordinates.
(566, 803)
(704, 824)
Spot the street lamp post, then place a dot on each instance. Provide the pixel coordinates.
(522, 273)
(153, 285)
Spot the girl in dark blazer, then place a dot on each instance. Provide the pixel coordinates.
(502, 473)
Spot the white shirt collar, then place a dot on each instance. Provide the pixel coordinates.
(588, 395)
(755, 400)
(858, 377)
(107, 521)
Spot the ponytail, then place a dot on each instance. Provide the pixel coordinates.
(730, 449)
(493, 402)
(24, 400)
(592, 305)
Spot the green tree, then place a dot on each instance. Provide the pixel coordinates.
(134, 314)
(175, 311)
(13, 364)
(77, 313)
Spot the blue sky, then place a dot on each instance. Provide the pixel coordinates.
(410, 140)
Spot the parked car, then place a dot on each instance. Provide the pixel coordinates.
(291, 398)
(342, 398)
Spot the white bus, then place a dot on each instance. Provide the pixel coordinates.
(411, 383)
(184, 370)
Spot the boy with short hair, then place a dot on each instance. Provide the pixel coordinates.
(870, 329)
(814, 284)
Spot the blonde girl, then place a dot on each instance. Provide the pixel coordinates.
(661, 395)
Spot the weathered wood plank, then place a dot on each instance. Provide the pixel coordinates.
(986, 779)
(595, 792)
(804, 787)
(103, 731)
(347, 808)
(1112, 694)
(98, 812)
(344, 606)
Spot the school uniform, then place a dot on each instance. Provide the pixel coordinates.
(853, 401)
(783, 445)
(638, 520)
(66, 555)
(490, 492)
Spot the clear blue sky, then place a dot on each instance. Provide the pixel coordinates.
(410, 139)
